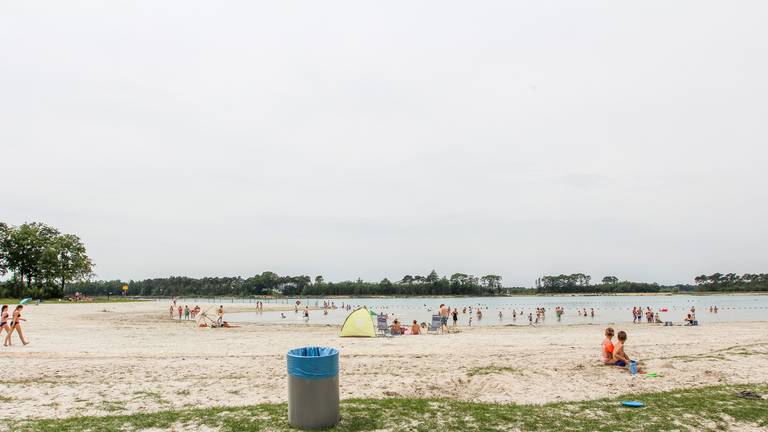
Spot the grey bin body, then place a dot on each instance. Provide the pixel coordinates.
(313, 388)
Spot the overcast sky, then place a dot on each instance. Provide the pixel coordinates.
(377, 139)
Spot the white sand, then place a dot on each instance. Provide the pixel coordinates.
(132, 358)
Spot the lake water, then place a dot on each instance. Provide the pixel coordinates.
(608, 309)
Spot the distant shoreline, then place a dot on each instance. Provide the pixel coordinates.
(662, 294)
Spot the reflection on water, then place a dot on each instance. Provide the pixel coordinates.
(607, 309)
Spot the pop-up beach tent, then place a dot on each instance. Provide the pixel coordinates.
(358, 324)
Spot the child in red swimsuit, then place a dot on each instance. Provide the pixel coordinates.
(607, 354)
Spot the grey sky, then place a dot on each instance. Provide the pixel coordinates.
(379, 139)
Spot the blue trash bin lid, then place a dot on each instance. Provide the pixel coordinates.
(313, 362)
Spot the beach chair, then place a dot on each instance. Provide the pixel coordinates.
(436, 324)
(381, 324)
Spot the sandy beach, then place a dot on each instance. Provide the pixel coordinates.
(96, 359)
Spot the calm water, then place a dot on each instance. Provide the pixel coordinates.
(607, 308)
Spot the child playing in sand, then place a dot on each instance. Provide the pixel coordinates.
(620, 358)
(607, 355)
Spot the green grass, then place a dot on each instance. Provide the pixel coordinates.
(489, 370)
(9, 301)
(111, 406)
(700, 409)
(149, 395)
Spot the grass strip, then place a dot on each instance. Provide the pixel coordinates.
(699, 409)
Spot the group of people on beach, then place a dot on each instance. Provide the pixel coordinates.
(397, 329)
(650, 315)
(12, 323)
(186, 311)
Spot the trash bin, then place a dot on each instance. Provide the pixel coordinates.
(313, 387)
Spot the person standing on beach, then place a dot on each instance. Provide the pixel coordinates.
(443, 311)
(16, 326)
(455, 317)
(186, 312)
(220, 313)
(171, 311)
(181, 310)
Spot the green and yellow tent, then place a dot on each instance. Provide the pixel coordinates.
(359, 323)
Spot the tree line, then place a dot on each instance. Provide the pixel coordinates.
(40, 260)
(580, 283)
(732, 282)
(269, 283)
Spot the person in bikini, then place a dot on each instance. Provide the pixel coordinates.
(607, 355)
(4, 323)
(16, 326)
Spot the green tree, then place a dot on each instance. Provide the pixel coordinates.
(610, 280)
(66, 260)
(4, 231)
(24, 249)
(432, 277)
